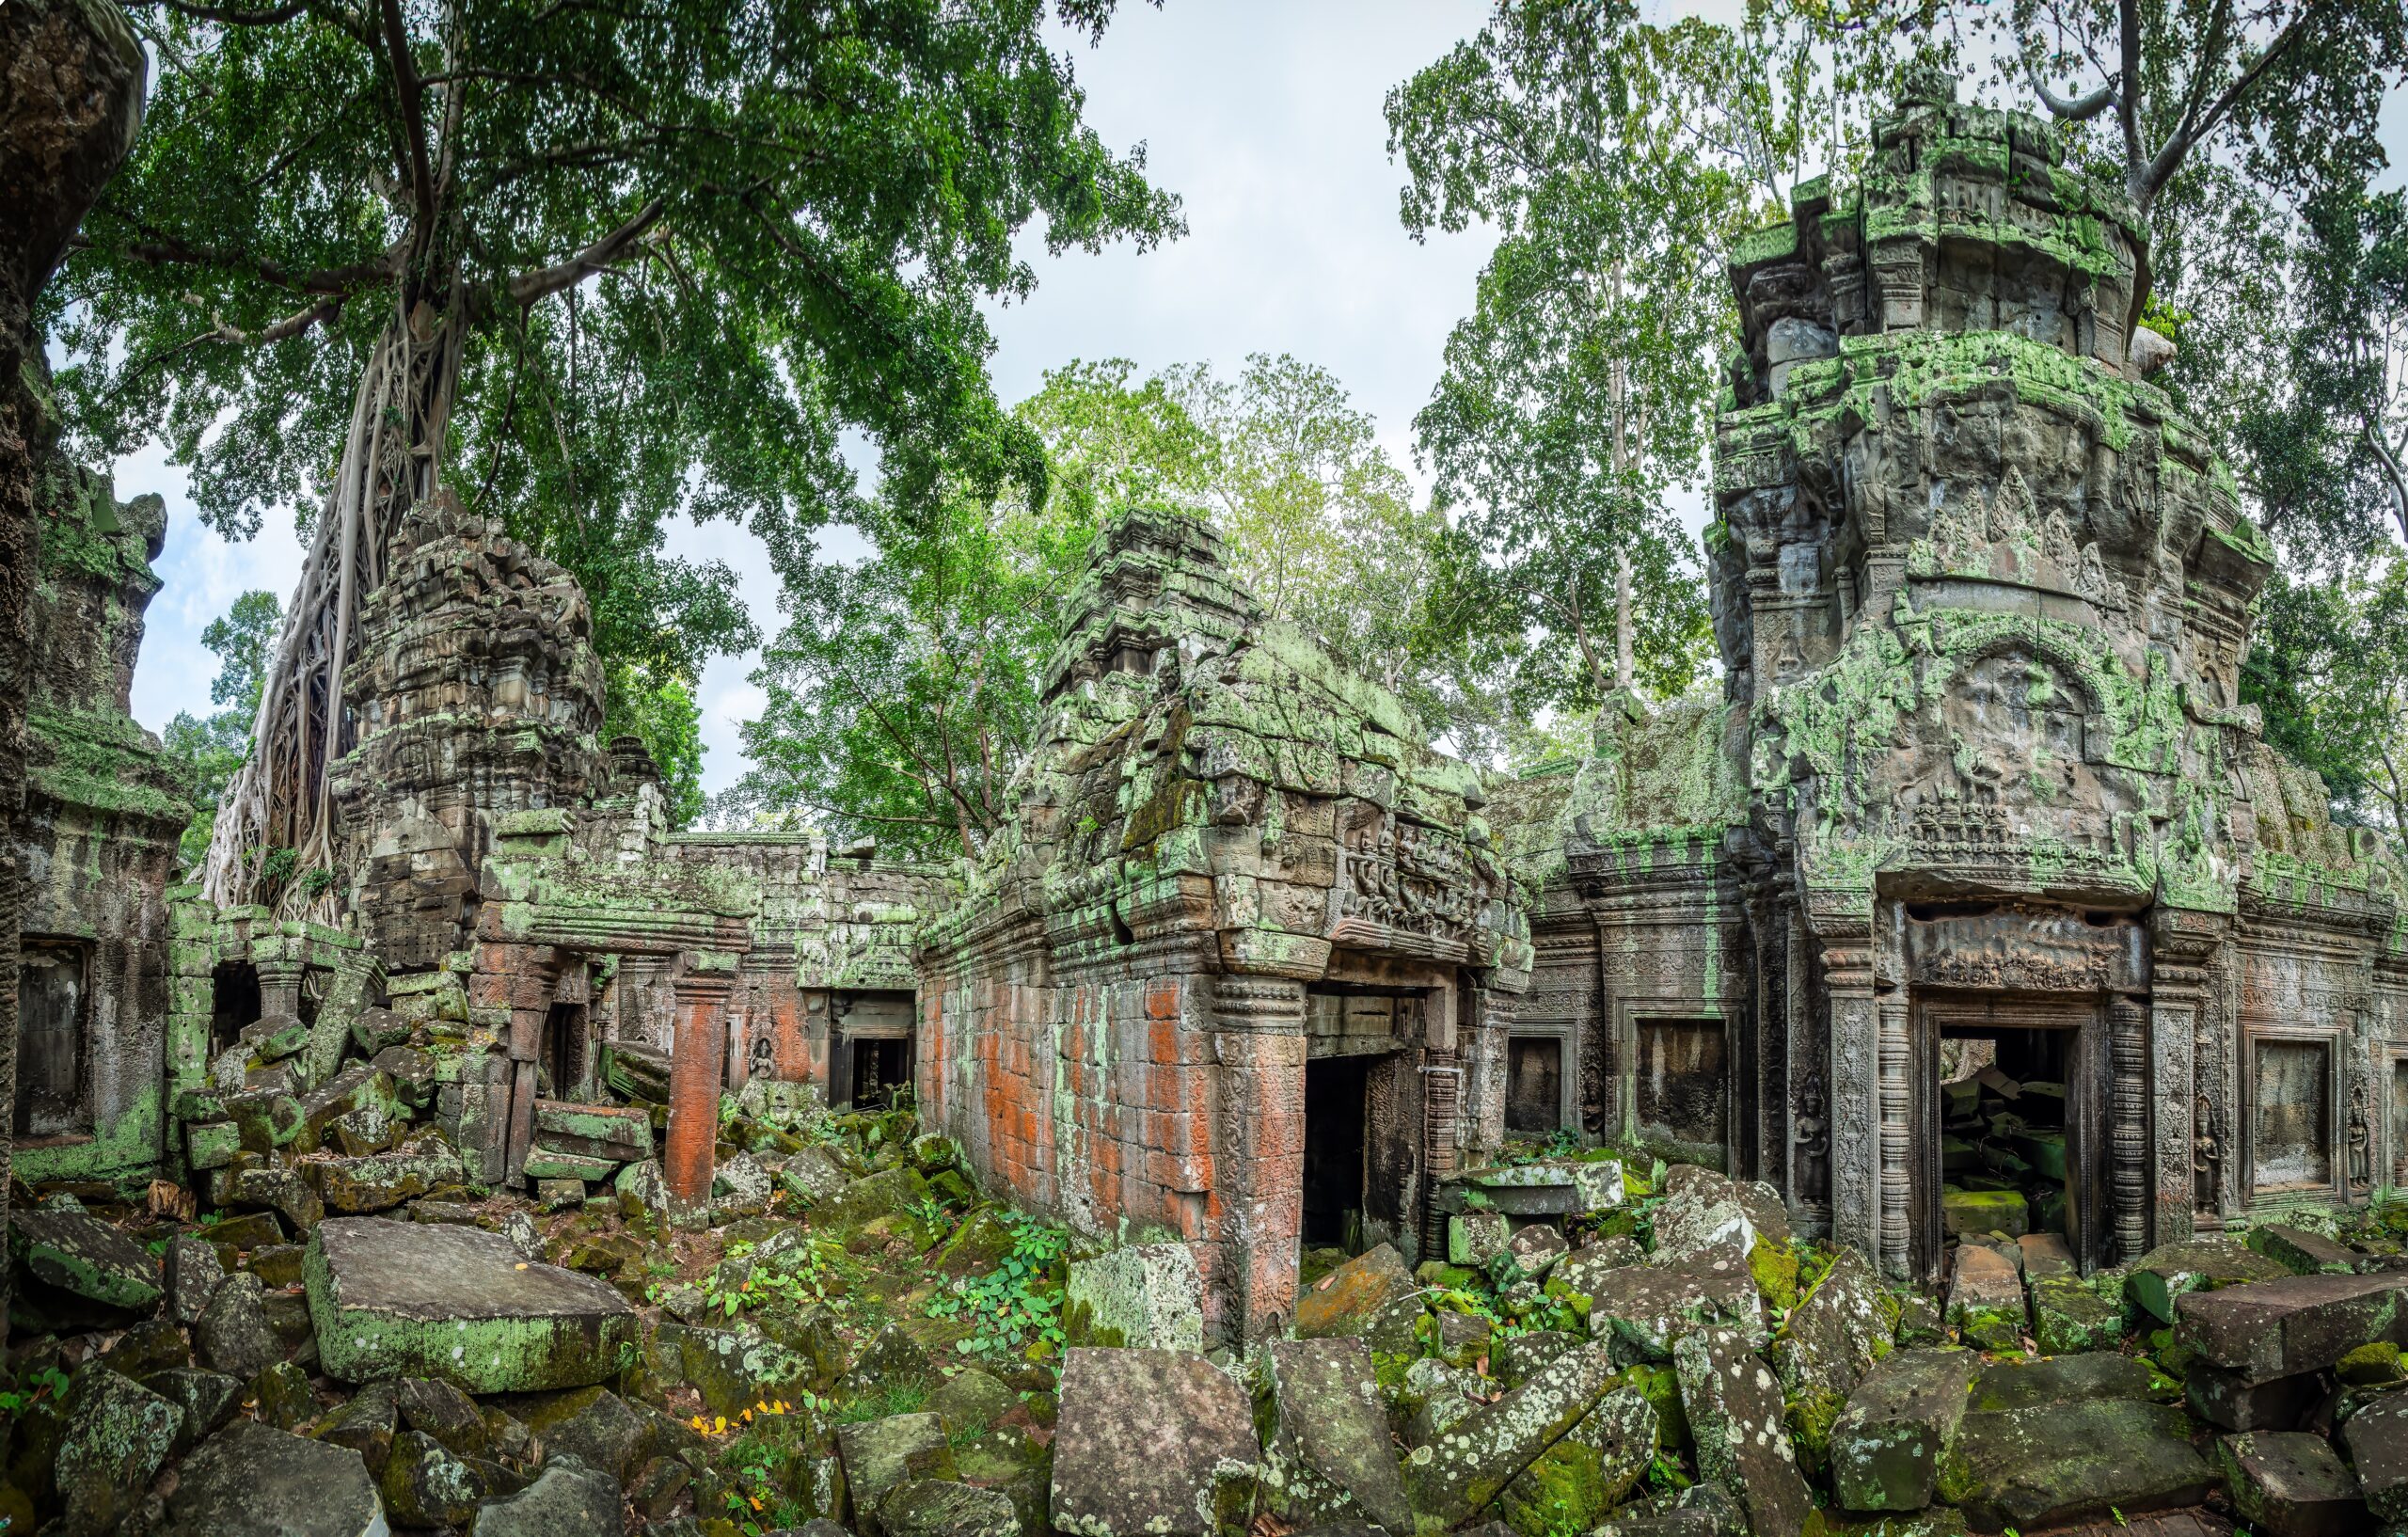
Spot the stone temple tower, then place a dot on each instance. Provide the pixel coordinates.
(1979, 894)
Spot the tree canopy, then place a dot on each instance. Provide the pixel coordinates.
(589, 265)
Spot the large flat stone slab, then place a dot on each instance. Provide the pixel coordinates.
(2159, 1278)
(1887, 1444)
(1648, 1308)
(1152, 1443)
(407, 1299)
(1458, 1474)
(2298, 1323)
(81, 1255)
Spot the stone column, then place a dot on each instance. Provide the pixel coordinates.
(2186, 1150)
(1258, 1160)
(696, 1058)
(1855, 1089)
(280, 977)
(1895, 1129)
(2127, 1131)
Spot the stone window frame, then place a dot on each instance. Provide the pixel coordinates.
(1628, 1012)
(2391, 1055)
(2335, 1039)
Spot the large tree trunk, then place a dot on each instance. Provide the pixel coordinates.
(391, 457)
(71, 102)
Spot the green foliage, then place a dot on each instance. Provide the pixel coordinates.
(1017, 1307)
(2328, 667)
(1618, 161)
(208, 750)
(672, 253)
(659, 709)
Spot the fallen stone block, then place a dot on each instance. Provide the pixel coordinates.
(2070, 1314)
(377, 1031)
(2045, 1257)
(1535, 1249)
(1148, 1296)
(1475, 1238)
(254, 1480)
(208, 1400)
(367, 1424)
(283, 1190)
(357, 1088)
(380, 1182)
(233, 1333)
(2280, 1329)
(1517, 1357)
(1575, 1482)
(1887, 1444)
(2038, 1381)
(193, 1271)
(2172, 1271)
(402, 1299)
(118, 1435)
(872, 1196)
(266, 1119)
(2289, 1484)
(426, 1485)
(2231, 1402)
(1152, 1443)
(2376, 1438)
(2302, 1253)
(1329, 1458)
(213, 1147)
(1348, 1299)
(1986, 1299)
(941, 1508)
(1450, 1479)
(1648, 1309)
(545, 1165)
(1832, 1337)
(2060, 1463)
(78, 1254)
(1733, 1408)
(1554, 1186)
(1965, 1212)
(562, 1501)
(592, 1424)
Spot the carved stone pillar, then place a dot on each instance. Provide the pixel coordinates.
(1893, 1008)
(696, 1058)
(1259, 1159)
(1770, 1000)
(1855, 1088)
(2127, 1108)
(2195, 1117)
(279, 984)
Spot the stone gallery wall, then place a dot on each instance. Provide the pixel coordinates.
(96, 849)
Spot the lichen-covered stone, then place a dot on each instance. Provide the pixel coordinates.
(1575, 1482)
(2278, 1328)
(1152, 1443)
(380, 1182)
(1459, 1472)
(564, 1501)
(2376, 1438)
(1886, 1447)
(80, 1255)
(1835, 1334)
(1350, 1298)
(2171, 1270)
(1329, 1457)
(2065, 1460)
(395, 1299)
(1648, 1309)
(2072, 1314)
(208, 1399)
(254, 1480)
(233, 1333)
(1734, 1414)
(118, 1434)
(425, 1485)
(1148, 1296)
(942, 1508)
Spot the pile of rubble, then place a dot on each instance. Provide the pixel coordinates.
(858, 1342)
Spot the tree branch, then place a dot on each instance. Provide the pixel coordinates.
(413, 108)
(2072, 108)
(224, 17)
(321, 312)
(530, 287)
(2169, 159)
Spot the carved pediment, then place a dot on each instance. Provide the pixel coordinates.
(2004, 536)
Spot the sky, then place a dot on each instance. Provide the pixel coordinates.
(1264, 116)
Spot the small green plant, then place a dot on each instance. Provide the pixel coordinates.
(1019, 1303)
(48, 1380)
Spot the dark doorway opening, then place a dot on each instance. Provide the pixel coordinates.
(52, 984)
(1534, 1085)
(234, 1001)
(564, 1050)
(2008, 1123)
(881, 1070)
(1336, 1107)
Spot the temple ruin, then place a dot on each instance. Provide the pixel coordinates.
(1976, 888)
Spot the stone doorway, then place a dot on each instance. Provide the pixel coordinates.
(1534, 1085)
(870, 1057)
(566, 1051)
(2008, 1124)
(235, 1000)
(1336, 1144)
